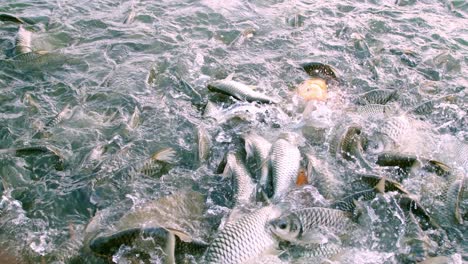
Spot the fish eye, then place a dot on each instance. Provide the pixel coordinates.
(283, 225)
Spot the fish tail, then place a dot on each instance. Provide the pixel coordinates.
(166, 155)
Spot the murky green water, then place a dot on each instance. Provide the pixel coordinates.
(160, 63)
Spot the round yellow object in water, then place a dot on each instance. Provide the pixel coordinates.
(313, 89)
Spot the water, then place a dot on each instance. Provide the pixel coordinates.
(161, 63)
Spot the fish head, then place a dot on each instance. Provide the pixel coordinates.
(286, 227)
(378, 143)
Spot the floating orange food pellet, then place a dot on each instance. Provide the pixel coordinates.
(301, 178)
(313, 89)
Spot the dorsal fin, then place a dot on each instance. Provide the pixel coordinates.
(229, 77)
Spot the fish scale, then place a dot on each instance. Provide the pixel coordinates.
(285, 162)
(245, 239)
(312, 217)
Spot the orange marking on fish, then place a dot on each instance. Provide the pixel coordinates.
(301, 178)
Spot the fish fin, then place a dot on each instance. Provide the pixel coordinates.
(441, 167)
(310, 107)
(180, 234)
(165, 155)
(229, 77)
(380, 187)
(169, 249)
(211, 110)
(248, 146)
(314, 236)
(302, 178)
(262, 195)
(253, 87)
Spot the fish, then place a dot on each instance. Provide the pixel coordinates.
(243, 186)
(29, 100)
(257, 149)
(204, 143)
(285, 159)
(65, 114)
(416, 244)
(23, 41)
(349, 145)
(378, 96)
(135, 119)
(244, 111)
(320, 70)
(156, 164)
(240, 91)
(242, 37)
(130, 17)
(171, 240)
(322, 178)
(244, 240)
(311, 225)
(447, 212)
(37, 59)
(374, 110)
(408, 161)
(11, 18)
(348, 203)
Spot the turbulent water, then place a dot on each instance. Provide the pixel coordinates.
(105, 66)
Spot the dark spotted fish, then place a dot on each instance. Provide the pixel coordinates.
(244, 240)
(311, 225)
(320, 70)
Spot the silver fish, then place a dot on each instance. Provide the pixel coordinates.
(375, 110)
(23, 41)
(285, 161)
(245, 239)
(37, 59)
(311, 225)
(322, 178)
(204, 143)
(240, 91)
(243, 185)
(257, 149)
